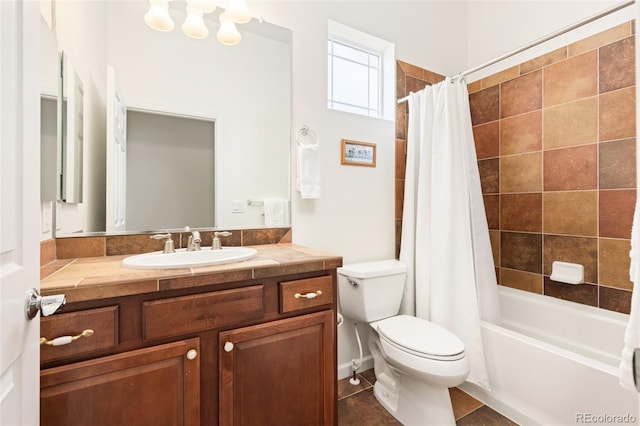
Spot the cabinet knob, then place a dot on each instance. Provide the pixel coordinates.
(228, 347)
(192, 354)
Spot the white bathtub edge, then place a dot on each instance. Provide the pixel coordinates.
(548, 347)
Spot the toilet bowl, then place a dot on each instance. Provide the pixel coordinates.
(414, 375)
(423, 349)
(415, 361)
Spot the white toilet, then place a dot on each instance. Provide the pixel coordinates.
(415, 361)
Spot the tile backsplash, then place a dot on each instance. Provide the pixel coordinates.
(556, 146)
(112, 245)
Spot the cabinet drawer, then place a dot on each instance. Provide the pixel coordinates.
(103, 322)
(303, 294)
(189, 314)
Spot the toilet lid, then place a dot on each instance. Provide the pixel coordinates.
(420, 336)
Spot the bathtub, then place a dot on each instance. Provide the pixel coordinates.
(553, 362)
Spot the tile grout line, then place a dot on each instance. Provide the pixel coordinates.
(355, 393)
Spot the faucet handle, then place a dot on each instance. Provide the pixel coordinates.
(168, 244)
(160, 236)
(216, 245)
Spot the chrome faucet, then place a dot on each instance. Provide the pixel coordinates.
(216, 239)
(168, 244)
(193, 244)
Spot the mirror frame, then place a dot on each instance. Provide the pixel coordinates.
(70, 133)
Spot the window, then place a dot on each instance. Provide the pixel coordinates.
(354, 79)
(361, 72)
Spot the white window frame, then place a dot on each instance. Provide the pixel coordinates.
(355, 39)
(368, 108)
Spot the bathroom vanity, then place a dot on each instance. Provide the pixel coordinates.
(246, 343)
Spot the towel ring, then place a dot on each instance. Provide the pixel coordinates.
(306, 131)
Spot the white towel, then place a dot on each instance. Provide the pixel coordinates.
(308, 180)
(276, 212)
(632, 334)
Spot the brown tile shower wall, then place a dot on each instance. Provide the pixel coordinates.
(555, 140)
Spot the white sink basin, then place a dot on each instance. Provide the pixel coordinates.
(188, 259)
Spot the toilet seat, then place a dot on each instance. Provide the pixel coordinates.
(421, 338)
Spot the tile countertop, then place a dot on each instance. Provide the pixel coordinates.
(102, 277)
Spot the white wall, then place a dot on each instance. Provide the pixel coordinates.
(355, 216)
(498, 27)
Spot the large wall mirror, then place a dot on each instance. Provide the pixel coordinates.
(181, 131)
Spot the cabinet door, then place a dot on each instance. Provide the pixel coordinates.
(159, 385)
(279, 373)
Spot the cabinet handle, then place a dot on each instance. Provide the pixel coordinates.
(192, 354)
(228, 347)
(65, 340)
(309, 295)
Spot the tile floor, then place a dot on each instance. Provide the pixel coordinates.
(358, 407)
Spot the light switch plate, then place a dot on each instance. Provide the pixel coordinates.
(238, 206)
(58, 216)
(45, 218)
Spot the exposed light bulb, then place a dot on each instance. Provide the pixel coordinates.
(157, 17)
(238, 11)
(204, 6)
(228, 33)
(193, 25)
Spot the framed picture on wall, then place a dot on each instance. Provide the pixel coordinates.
(356, 153)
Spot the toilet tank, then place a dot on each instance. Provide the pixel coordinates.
(371, 291)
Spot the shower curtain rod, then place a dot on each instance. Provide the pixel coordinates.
(541, 40)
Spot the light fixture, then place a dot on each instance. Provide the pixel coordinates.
(158, 15)
(204, 6)
(228, 33)
(193, 25)
(238, 11)
(158, 18)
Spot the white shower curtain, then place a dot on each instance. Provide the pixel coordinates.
(445, 238)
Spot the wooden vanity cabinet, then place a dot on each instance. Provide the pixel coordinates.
(256, 352)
